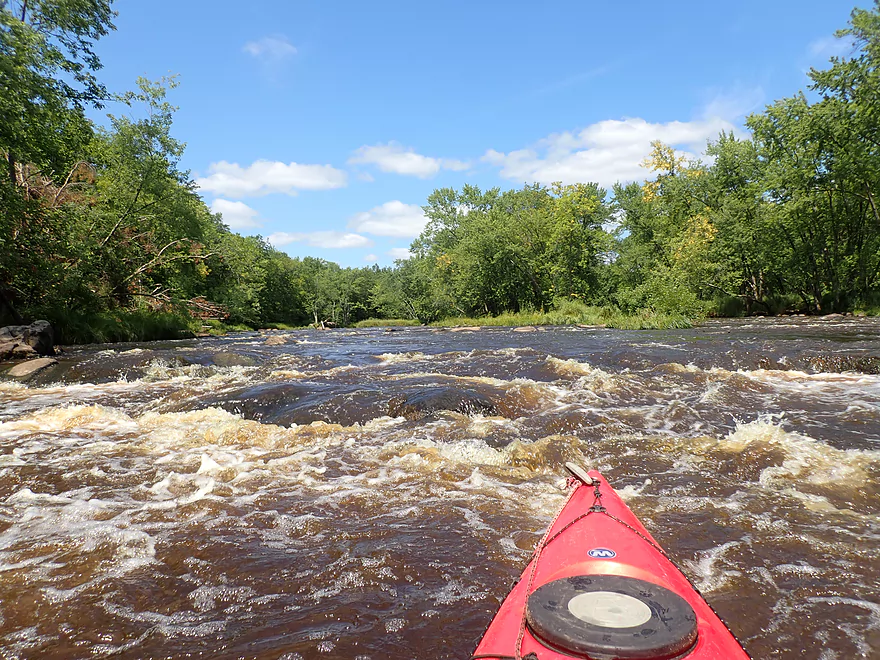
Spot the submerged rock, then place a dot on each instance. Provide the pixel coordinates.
(433, 399)
(229, 359)
(31, 367)
(865, 364)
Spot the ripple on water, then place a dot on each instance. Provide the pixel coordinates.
(141, 500)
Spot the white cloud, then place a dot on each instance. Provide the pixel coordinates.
(274, 48)
(371, 258)
(391, 219)
(263, 177)
(604, 152)
(399, 253)
(320, 239)
(393, 157)
(236, 215)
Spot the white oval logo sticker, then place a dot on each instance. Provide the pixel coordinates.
(602, 553)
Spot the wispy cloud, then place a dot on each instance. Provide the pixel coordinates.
(394, 157)
(274, 48)
(320, 239)
(236, 215)
(390, 219)
(831, 46)
(264, 177)
(734, 103)
(571, 81)
(399, 253)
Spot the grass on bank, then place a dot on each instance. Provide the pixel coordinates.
(73, 327)
(573, 312)
(217, 328)
(280, 326)
(385, 323)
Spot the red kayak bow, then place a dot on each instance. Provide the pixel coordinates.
(600, 587)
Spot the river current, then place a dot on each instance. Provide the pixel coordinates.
(365, 494)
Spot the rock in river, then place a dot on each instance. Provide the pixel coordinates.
(432, 399)
(29, 368)
(23, 341)
(229, 359)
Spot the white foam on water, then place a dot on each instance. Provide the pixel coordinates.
(201, 462)
(709, 568)
(821, 504)
(870, 622)
(206, 597)
(475, 522)
(631, 491)
(797, 569)
(179, 490)
(394, 625)
(67, 419)
(181, 623)
(712, 393)
(281, 374)
(402, 358)
(71, 527)
(569, 367)
(806, 459)
(23, 640)
(27, 496)
(456, 591)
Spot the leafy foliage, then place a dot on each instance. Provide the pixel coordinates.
(104, 233)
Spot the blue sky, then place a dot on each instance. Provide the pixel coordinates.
(325, 125)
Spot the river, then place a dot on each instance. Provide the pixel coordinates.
(299, 495)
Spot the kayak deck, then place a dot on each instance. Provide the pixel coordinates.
(599, 586)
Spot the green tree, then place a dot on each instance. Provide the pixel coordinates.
(47, 66)
(149, 226)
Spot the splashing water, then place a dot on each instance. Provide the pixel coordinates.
(159, 501)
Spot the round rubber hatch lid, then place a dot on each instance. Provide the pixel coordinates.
(613, 617)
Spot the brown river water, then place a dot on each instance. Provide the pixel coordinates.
(364, 494)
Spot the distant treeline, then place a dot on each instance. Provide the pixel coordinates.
(100, 222)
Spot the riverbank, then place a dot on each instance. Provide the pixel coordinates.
(608, 317)
(121, 325)
(567, 313)
(77, 328)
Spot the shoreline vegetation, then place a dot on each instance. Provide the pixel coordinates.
(104, 234)
(141, 326)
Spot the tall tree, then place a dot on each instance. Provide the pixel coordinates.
(47, 76)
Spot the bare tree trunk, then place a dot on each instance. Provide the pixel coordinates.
(10, 162)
